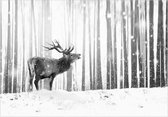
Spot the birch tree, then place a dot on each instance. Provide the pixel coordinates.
(99, 76)
(90, 46)
(94, 46)
(84, 38)
(1, 47)
(125, 43)
(115, 46)
(15, 48)
(70, 36)
(160, 81)
(108, 20)
(7, 55)
(134, 43)
(166, 42)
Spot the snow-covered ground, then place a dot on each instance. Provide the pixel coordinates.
(117, 102)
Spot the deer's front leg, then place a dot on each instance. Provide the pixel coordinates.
(36, 82)
(51, 82)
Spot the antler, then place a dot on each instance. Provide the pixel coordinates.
(59, 48)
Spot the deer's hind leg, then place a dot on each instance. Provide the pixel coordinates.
(31, 84)
(31, 76)
(51, 80)
(37, 78)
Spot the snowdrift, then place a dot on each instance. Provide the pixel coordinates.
(117, 102)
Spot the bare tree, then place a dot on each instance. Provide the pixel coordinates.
(151, 44)
(90, 48)
(99, 76)
(23, 70)
(115, 48)
(1, 47)
(133, 44)
(167, 42)
(160, 81)
(125, 43)
(7, 57)
(70, 36)
(94, 46)
(84, 38)
(109, 56)
(15, 48)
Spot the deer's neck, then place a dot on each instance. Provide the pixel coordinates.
(63, 64)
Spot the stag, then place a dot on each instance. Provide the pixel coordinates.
(41, 68)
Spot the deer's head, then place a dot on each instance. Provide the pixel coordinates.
(66, 52)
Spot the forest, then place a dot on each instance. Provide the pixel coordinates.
(123, 43)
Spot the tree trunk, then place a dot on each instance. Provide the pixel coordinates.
(151, 44)
(1, 48)
(109, 57)
(125, 75)
(70, 35)
(115, 48)
(160, 81)
(134, 43)
(15, 48)
(83, 55)
(142, 44)
(129, 24)
(146, 46)
(23, 57)
(167, 43)
(90, 49)
(94, 46)
(99, 76)
(7, 75)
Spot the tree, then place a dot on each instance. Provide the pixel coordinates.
(7, 57)
(129, 24)
(70, 36)
(151, 62)
(83, 55)
(109, 56)
(1, 46)
(15, 48)
(94, 46)
(160, 48)
(99, 77)
(90, 49)
(161, 37)
(134, 43)
(115, 48)
(23, 69)
(137, 37)
(167, 43)
(125, 52)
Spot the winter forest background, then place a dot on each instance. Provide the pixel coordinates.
(124, 43)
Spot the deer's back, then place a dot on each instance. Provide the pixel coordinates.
(44, 66)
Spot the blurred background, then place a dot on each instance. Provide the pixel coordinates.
(124, 43)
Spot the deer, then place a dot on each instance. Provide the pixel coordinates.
(41, 67)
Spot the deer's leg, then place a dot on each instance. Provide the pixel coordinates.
(51, 82)
(36, 84)
(31, 84)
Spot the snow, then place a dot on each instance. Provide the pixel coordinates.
(117, 102)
